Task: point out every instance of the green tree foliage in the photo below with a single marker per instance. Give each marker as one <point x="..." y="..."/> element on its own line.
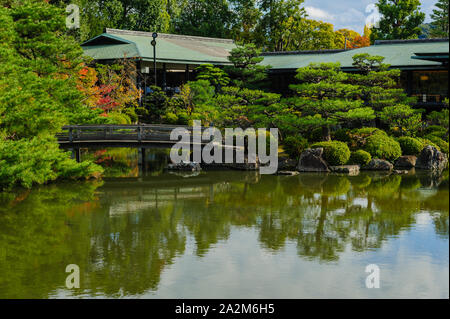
<point x="400" y="20"/>
<point x="138" y="15"/>
<point x="209" y="18"/>
<point x="38" y="70"/>
<point x="246" y="71"/>
<point x="441" y="120"/>
<point x="307" y="34"/>
<point x="380" y="88"/>
<point x="247" y="15"/>
<point x="440" y="20"/>
<point x="402" y="119"/>
<point x="215" y="76"/>
<point x="325" y="99"/>
<point x="272" y="26"/>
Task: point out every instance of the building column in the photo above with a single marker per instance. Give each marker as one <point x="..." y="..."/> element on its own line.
<point x="187" y="73"/>
<point x="164" y="76"/>
<point x="409" y="82"/>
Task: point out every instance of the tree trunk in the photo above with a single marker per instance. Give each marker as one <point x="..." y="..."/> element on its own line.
<point x="326" y="133"/>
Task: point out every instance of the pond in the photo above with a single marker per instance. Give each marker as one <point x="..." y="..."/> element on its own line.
<point x="146" y="233"/>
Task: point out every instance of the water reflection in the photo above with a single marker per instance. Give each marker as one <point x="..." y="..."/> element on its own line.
<point x="125" y="232"/>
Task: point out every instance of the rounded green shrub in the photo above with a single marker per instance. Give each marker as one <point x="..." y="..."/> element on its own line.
<point x="384" y="147"/>
<point x="427" y="142"/>
<point x="436" y="130"/>
<point x="368" y="131"/>
<point x="443" y="145"/>
<point x="410" y="145"/>
<point x="335" y="152"/>
<point x="360" y="157"/>
<point x="170" y="118"/>
<point x="358" y="137"/>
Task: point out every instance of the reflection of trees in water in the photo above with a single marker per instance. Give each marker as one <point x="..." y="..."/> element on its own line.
<point x="124" y="251"/>
<point x="36" y="243"/>
<point x="322" y="213"/>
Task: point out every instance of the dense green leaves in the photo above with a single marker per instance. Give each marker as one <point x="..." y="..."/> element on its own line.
<point x="335" y="152"/>
<point x="440" y="19"/>
<point x="39" y="64"/>
<point x="400" y="20"/>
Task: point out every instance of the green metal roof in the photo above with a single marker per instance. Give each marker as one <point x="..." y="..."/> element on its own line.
<point x="114" y="44"/>
<point x="179" y="49"/>
<point x="397" y="53"/>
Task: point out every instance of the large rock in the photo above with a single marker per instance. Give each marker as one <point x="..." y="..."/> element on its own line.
<point x="378" y="165"/>
<point x="185" y="166"/>
<point x="407" y="161"/>
<point x="352" y="170"/>
<point x="431" y="159"/>
<point x="311" y="161"/>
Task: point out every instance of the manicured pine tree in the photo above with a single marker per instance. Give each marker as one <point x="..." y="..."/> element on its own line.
<point x="246" y="71"/>
<point x="324" y="98"/>
<point x="380" y="90"/>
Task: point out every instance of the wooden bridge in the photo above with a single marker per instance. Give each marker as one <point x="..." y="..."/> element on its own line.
<point x="75" y="137"/>
<point x="145" y="136"/>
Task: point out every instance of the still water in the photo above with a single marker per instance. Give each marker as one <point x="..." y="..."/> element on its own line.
<point x="226" y="234"/>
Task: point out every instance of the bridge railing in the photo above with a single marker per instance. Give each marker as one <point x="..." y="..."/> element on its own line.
<point x="135" y="133"/>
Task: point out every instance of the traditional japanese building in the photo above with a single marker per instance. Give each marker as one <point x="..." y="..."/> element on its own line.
<point x="176" y="55"/>
<point x="424" y="62"/>
<point x="424" y="65"/>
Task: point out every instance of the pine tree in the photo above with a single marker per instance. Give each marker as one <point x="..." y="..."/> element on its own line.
<point x="324" y="98"/>
<point x="400" y="20"/>
<point x="246" y="71"/>
<point x="380" y="91"/>
<point x="39" y="68"/>
<point x="440" y="20"/>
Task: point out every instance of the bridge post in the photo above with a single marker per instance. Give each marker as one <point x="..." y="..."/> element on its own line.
<point x="76" y="153"/>
<point x="141" y="160"/>
<point x="139" y="133"/>
<point x="70" y="135"/>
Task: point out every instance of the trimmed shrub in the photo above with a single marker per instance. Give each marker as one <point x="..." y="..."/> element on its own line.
<point x="294" y="145"/>
<point x="335" y="152"/>
<point x="410" y="145"/>
<point x="358" y="137"/>
<point x="427" y="142"/>
<point x="436" y="130"/>
<point x="383" y="147"/>
<point x="170" y="118"/>
<point x="360" y="157"/>
<point x="443" y="145"/>
<point x="368" y="131"/>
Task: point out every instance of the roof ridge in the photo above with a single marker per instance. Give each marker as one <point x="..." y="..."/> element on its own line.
<point x="166" y="35"/>
<point x="387" y="42"/>
<point x="304" y="52"/>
